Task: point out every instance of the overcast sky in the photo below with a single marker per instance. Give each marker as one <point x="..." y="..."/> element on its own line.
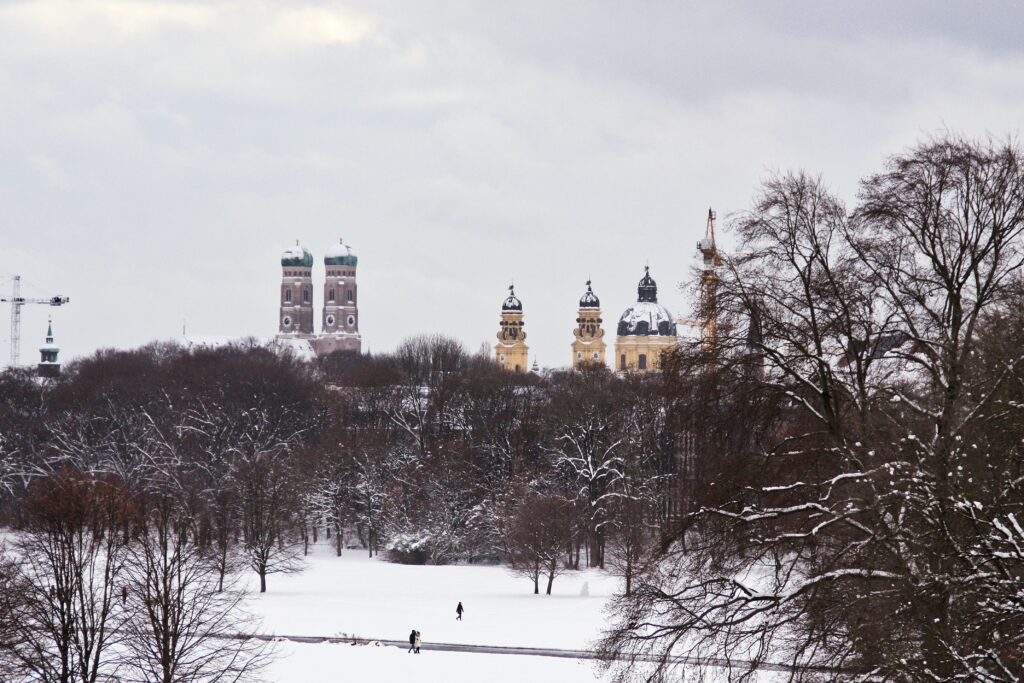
<point x="156" y="158"/>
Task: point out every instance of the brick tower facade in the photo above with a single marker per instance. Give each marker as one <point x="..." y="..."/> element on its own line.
<point x="296" y="316"/>
<point x="340" y="320"/>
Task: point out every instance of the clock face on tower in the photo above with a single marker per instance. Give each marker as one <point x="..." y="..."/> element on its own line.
<point x="330" y="321"/>
<point x="286" y="321"/>
<point x="351" y="321"/>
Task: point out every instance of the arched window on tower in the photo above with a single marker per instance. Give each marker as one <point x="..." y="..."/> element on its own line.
<point x="287" y="296"/>
<point x="305" y="296"/>
<point x="330" y="294"/>
<point x="349" y="295"/>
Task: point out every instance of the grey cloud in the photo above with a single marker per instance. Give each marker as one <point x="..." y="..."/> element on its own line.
<point x="155" y="166"/>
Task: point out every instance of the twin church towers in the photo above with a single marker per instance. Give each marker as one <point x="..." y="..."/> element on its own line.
<point x="645" y="330"/>
<point x="339" y="321"/>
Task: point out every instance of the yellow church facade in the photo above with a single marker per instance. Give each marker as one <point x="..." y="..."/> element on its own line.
<point x="646" y="330"/>
<point x="511" y="351"/>
<point x="588" y="347"/>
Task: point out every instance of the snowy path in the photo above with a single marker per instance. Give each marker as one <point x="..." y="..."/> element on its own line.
<point x="521" y="651"/>
<point x="330" y="663"/>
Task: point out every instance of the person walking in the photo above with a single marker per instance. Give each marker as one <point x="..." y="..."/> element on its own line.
<point x="412" y="640"/>
<point x="458" y="611"/>
<point x="417" y="642"/>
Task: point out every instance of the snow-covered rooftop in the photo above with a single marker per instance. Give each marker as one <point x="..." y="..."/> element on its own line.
<point x="647" y="318"/>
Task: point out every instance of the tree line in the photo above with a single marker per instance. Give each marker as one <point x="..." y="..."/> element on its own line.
<point x="143" y="487"/>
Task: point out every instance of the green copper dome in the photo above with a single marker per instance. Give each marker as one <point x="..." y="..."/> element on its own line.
<point x="340" y="254"/>
<point x="297" y="256"/>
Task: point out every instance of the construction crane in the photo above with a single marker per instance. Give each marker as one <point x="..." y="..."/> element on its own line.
<point x="17" y="301"/>
<point x="709" y="284"/>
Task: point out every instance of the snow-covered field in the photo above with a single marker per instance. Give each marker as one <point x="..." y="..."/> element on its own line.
<point x="303" y="663"/>
<point x="370" y="598"/>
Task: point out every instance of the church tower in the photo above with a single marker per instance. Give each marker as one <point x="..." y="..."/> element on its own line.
<point x="340" y="320"/>
<point x="588" y="346"/>
<point x="511" y="349"/>
<point x="49" y="366"/>
<point x="296" y="291"/>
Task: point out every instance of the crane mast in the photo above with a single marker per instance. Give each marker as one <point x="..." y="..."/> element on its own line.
<point x="709" y="284"/>
<point x="17" y="301"/>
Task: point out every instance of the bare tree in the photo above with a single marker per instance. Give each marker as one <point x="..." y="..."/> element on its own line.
<point x="589" y="446"/>
<point x="539" y="533"/>
<point x="73" y="548"/>
<point x="182" y="626"/>
<point x="268" y="501"/>
<point x="13" y="608"/>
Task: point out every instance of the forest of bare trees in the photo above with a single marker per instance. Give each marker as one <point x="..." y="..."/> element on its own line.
<point x="144" y="487"/>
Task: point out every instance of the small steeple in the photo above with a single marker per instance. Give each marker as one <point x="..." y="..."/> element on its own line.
<point x="49" y="366"/>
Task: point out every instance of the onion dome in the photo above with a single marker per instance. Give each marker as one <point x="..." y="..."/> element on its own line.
<point x="647" y="318"/>
<point x="297" y="256"/>
<point x="340" y="254"/>
<point x="589" y="299"/>
<point x="512" y="303"/>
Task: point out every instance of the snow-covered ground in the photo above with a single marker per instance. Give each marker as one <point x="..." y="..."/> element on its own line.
<point x="323" y="663"/>
<point x="370" y="598"/>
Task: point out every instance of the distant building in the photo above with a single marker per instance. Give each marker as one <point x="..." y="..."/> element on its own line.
<point x="588" y="347"/>
<point x="296" y="292"/>
<point x="511" y="350"/>
<point x="646" y="330"/>
<point x="340" y="323"/>
<point x="340" y="318"/>
<point x="49" y="366"/>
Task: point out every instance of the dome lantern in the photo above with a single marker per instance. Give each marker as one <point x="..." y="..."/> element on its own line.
<point x="647" y="290"/>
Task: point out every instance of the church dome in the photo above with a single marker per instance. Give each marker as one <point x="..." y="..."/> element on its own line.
<point x="647" y="318"/>
<point x="589" y="299"/>
<point x="340" y="254"/>
<point x="512" y="303"/>
<point x="297" y="256"/>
